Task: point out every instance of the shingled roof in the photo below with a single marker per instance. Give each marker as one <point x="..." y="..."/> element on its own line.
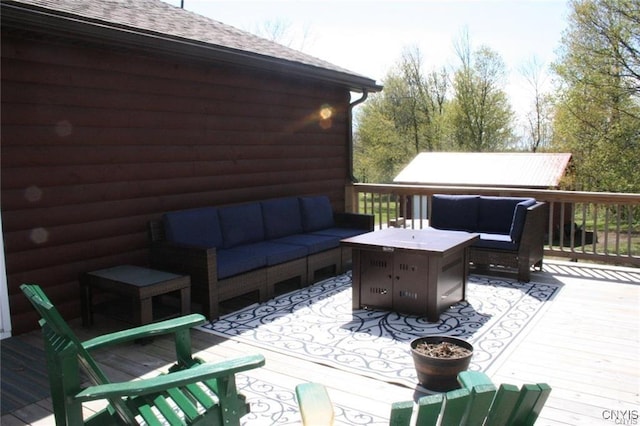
<point x="508" y="169"/>
<point x="156" y="24"/>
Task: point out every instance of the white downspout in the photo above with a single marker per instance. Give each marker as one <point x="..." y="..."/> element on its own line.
<point x="5" y="313"/>
<point x="365" y="94"/>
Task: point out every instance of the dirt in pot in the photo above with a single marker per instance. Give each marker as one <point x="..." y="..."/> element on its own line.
<point x="442" y="350"/>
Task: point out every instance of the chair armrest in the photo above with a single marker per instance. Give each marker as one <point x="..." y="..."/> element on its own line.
<point x="354" y="220"/>
<point x="198" y="262"/>
<point x="315" y="405"/>
<point x="533" y="232"/>
<point x="159" y="328"/>
<point x="198" y="373"/>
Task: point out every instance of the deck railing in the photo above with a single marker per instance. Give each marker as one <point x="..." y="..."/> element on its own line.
<point x="597" y="226"/>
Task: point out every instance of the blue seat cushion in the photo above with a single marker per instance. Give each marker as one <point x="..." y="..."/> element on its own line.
<point x="234" y="261"/>
<point x="281" y="217"/>
<point x="495" y="241"/>
<point x="311" y="242"/>
<point x="496" y="213"/>
<point x="519" y="217"/>
<point x="454" y="212"/>
<point x="341" y="232"/>
<point x="316" y="212"/>
<point x="194" y="227"/>
<point x="241" y="224"/>
<point x="276" y="253"/>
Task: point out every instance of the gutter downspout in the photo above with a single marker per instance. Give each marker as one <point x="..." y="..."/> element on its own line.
<point x="365" y="94"/>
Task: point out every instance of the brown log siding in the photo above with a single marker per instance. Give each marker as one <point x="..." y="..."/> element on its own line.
<point x="97" y="142"/>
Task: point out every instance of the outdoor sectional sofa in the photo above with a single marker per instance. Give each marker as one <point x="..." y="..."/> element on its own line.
<point x="230" y="251"/>
<point x="512" y="230"/>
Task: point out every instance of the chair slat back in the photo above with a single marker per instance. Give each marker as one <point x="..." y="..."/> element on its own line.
<point x="479" y="405"/>
<point x="401" y="413"/>
<point x="503" y="405"/>
<point x="531" y="398"/>
<point x="545" y="391"/>
<point x="61" y="336"/>
<point x="61" y="343"/>
<point x="455" y="406"/>
<point x="429" y="408"/>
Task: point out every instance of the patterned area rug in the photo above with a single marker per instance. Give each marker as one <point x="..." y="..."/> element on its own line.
<point x="272" y="404"/>
<point x="317" y="323"/>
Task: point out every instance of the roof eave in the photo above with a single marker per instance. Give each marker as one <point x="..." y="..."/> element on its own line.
<point x="23" y="17"/>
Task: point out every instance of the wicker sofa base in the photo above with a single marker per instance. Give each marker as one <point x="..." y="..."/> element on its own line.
<point x="487" y="257"/>
<point x="286" y="271"/>
<point x="319" y="261"/>
<point x="238" y="285"/>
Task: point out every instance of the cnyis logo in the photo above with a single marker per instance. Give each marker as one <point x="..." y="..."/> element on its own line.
<point x="621" y="417"/>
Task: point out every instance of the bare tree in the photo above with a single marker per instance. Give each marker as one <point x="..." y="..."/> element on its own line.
<point x="284" y="33"/>
<point x="539" y="118"/>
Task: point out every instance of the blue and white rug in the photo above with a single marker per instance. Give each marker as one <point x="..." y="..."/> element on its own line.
<point x="318" y="324"/>
<point x="274" y="405"/>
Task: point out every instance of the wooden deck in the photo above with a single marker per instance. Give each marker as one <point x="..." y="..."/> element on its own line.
<point x="586" y="345"/>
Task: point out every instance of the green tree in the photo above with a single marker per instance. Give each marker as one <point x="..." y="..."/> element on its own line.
<point x="481" y="114"/>
<point x="402" y="121"/>
<point x="598" y="112"/>
<point x="379" y="149"/>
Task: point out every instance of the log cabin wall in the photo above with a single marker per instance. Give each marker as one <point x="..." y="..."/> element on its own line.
<point x="98" y="141"/>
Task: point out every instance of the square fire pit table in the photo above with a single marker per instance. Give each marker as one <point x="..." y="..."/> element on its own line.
<point x="420" y="272"/>
<point x="139" y="285"/>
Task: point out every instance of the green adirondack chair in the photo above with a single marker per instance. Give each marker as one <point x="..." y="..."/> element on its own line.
<point x="477" y="402"/>
<point x="192" y="392"/>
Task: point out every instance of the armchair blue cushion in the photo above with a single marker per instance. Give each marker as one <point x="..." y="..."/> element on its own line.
<point x="276" y="253"/>
<point x="241" y="224"/>
<point x="496" y="213"/>
<point x="312" y="242"/>
<point x="340" y="233"/>
<point x="455" y="212"/>
<point x="194" y="227"/>
<point x="316" y="212"/>
<point x="281" y="217"/>
<point x="237" y="260"/>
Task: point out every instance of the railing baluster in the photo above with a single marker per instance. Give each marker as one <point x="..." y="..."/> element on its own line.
<point x="630" y="214"/>
<point x="562" y="225"/>
<point x="583" y="233"/>
<point x="404" y="209"/>
<point x="595" y="227"/>
<point x="617" y="229"/>
<point x="551" y="223"/>
<point x="606" y="229"/>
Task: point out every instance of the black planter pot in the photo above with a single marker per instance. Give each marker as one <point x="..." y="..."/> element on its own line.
<point x="439" y="374"/>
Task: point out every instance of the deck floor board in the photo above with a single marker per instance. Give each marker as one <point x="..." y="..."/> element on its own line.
<point x="586" y="345"/>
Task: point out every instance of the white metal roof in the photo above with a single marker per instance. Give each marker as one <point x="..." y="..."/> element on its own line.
<point x="528" y="170"/>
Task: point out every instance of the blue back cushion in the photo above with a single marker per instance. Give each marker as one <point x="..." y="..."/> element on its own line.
<point x="194" y="227"/>
<point x="281" y="217"/>
<point x="316" y="212"/>
<point x="454" y="212"/>
<point x="241" y="224"/>
<point x="519" y="216"/>
<point x="496" y="213"/>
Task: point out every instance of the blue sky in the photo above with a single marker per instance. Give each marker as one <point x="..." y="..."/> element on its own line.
<point x="368" y="37"/>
